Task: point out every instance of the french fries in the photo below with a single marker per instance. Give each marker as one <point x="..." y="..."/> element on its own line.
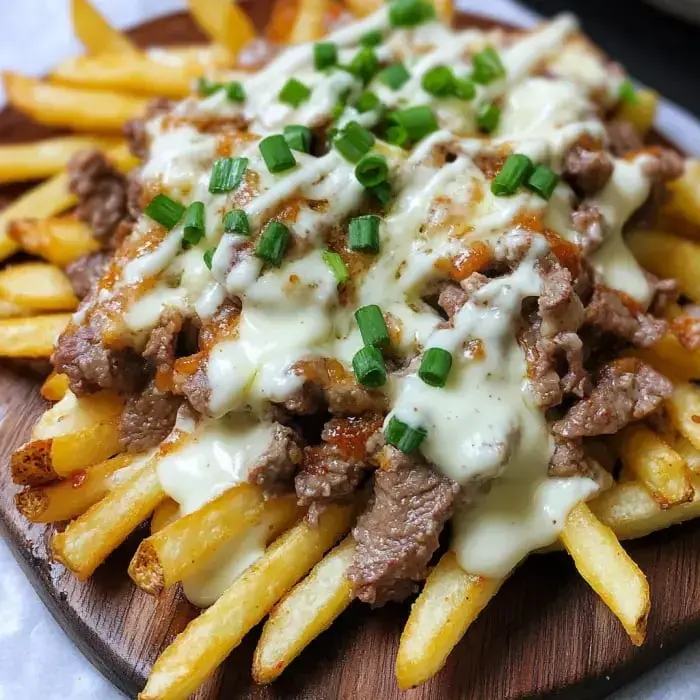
<point x="608" y="570"/>
<point x="166" y="512"/>
<point x="71" y="497"/>
<point x="209" y="638"/>
<point x="37" y="287"/>
<point x="59" y="240"/>
<point x="83" y="110"/>
<point x="672" y="359"/>
<point x="90" y="539"/>
<point x="641" y="112"/>
<point x="31" y="337"/>
<point x="361" y="8"/>
<point x="308" y="610"/>
<point x="449" y="602"/>
<point x="55" y="387"/>
<point x="310" y="22"/>
<point x="657" y="465"/>
<point x="10" y="310"/>
<point x="225" y="22"/>
<point x="95" y="33"/>
<point x="683" y="408"/>
<point x="685" y="195"/>
<point x="33" y="161"/>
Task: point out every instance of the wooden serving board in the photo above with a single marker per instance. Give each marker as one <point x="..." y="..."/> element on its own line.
<point x="545" y="634"/>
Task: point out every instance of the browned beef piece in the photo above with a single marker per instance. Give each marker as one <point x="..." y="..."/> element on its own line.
<point x="665" y="294"/>
<point x="686" y="327"/>
<point x="559" y="307"/>
<point x="569" y="459"/>
<point x="148" y="418"/>
<point x="135" y="129"/>
<point x="398" y="532"/>
<point x="623" y="137"/>
<point x="194" y="386"/>
<point x="82" y="355"/>
<point x="307" y="400"/>
<point x="348" y="398"/>
<point x="587" y="171"/>
<point x="454" y="296"/>
<point x="626" y="390"/>
<point x="274" y="471"/>
<point x="162" y="341"/>
<point x="589" y="223"/>
<point x="608" y="312"/>
<point x="101" y="192"/>
<point x="85" y="272"/>
<point x="667" y="165"/>
<point x="134" y="189"/>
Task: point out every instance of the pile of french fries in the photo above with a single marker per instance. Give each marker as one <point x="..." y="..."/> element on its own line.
<point x="71" y="469"/>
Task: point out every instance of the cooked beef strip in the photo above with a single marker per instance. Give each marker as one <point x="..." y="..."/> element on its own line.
<point x="162" y="342"/>
<point x="148" y="418"/>
<point x="398" y="532"/>
<point x="101" y="192"/>
<point x="559" y="307"/>
<point x="623" y="137"/>
<point x="85" y="272"/>
<point x="274" y="471"/>
<point x="590" y="224"/>
<point x="135" y="129"/>
<point x="665" y="294"/>
<point x="667" y="165"/>
<point x="587" y="171"/>
<point x="570" y="459"/>
<point x="453" y="296"/>
<point x="626" y="390"/>
<point x="686" y="327"/>
<point x="194" y="386"/>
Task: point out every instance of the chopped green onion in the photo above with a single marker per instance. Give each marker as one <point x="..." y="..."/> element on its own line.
<point x="439" y="81"/>
<point x="372" y="326"/>
<point x="367" y="102"/>
<point x="298" y="137"/>
<point x="487" y="66"/>
<point x="403" y="437"/>
<point x="514" y="173"/>
<point x="381" y="192"/>
<point x="395" y="76"/>
<point x="410" y="13"/>
<point x="373" y="38"/>
<point x="364" y="65"/>
<point x="193" y="224"/>
<point x="208" y="87"/>
<point x="235" y="91"/>
<point x="325" y="55"/>
<point x="364" y="234"/>
<point x="273" y="243"/>
<point x="627" y="93"/>
<point x="226" y="174"/>
<point x="397" y="135"/>
<point x="543" y="181"/>
<point x="465" y="89"/>
<point x="165" y="211"/>
<point x="435" y="366"/>
<point x="338" y="268"/>
<point x="488" y="116"/>
<point x="276" y="153"/>
<point x="417" y="121"/>
<point x="369" y="368"/>
<point x="236" y="221"/>
<point x="353" y="142"/>
<point x="209" y="256"/>
<point x="294" y="92"/>
<point x="371" y="171"/>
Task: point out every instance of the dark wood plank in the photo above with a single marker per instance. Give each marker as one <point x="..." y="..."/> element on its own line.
<point x="545" y="634"/>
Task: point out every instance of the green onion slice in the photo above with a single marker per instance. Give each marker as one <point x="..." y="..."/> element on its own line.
<point x="435" y="367"/>
<point x="543" y="181"/>
<point x="367" y="102"/>
<point x="410" y="13"/>
<point x="193" y="224"/>
<point x="325" y="55"/>
<point x="165" y="211"/>
<point x="465" y="89"/>
<point x="371" y="171"/>
<point x="294" y="92"/>
<point x="273" y="243"/>
<point x="298" y="137"/>
<point x="353" y="142"/>
<point x="488" y="116"/>
<point x="514" y="173"/>
<point x="208" y="87"/>
<point x="627" y="93"/>
<point x="363" y="234"/>
<point x="439" y="81"/>
<point x="373" y="38"/>
<point x="487" y="66"/>
<point x="235" y="91"/>
<point x="381" y="192"/>
<point x="364" y="65"/>
<point x="276" y="153"/>
<point x="403" y="437"/>
<point x="337" y="266"/>
<point x="372" y="326"/>
<point x="417" y="121"/>
<point x="226" y="174"/>
<point x="395" y="76"/>
<point x="369" y="368"/>
<point x="236" y="221"/>
<point x="209" y="256"/>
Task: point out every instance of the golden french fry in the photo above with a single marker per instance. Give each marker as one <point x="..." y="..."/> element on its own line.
<point x="686" y="450"/>
<point x="60" y="239"/>
<point x="40" y="159"/>
<point x="10" y="310"/>
<point x="167" y="512"/>
<point x="209" y="638"/>
<point x="666" y="255"/>
<point x="95" y="33"/>
<point x="69" y="498"/>
<point x="608" y="570"/>
<point x="83" y="110"/>
<point x="55" y="386"/>
<point x="90" y="539"/>
<point x="225" y="22"/>
<point x="449" y="602"/>
<point x="190" y="55"/>
<point x="308" y="610"/>
<point x="361" y="8"/>
<point x="656" y="464"/>
<point x="631" y="512"/>
<point x="32" y="337"/>
<point x="669" y="357"/>
<point x="685" y="195"/>
<point x="310" y="22"/>
<point x="683" y="408"/>
<point x="37" y="286"/>
<point x="641" y="113"/>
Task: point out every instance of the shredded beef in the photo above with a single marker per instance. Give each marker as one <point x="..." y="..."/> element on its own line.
<point x="623" y="137"/>
<point x="626" y="390"/>
<point x="398" y="532"/>
<point x="454" y="296"/>
<point x="148" y="418"/>
<point x="135" y="129"/>
<point x="101" y="192"/>
<point x="162" y="341"/>
<point x="587" y="171"/>
<point x="559" y="307"/>
<point x="590" y="224"/>
<point x="85" y="272"/>
<point x="274" y="471"/>
<point x="608" y="312"/>
<point x="195" y="387"/>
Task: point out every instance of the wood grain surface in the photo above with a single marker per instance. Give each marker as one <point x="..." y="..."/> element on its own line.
<point x="546" y="634"/>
